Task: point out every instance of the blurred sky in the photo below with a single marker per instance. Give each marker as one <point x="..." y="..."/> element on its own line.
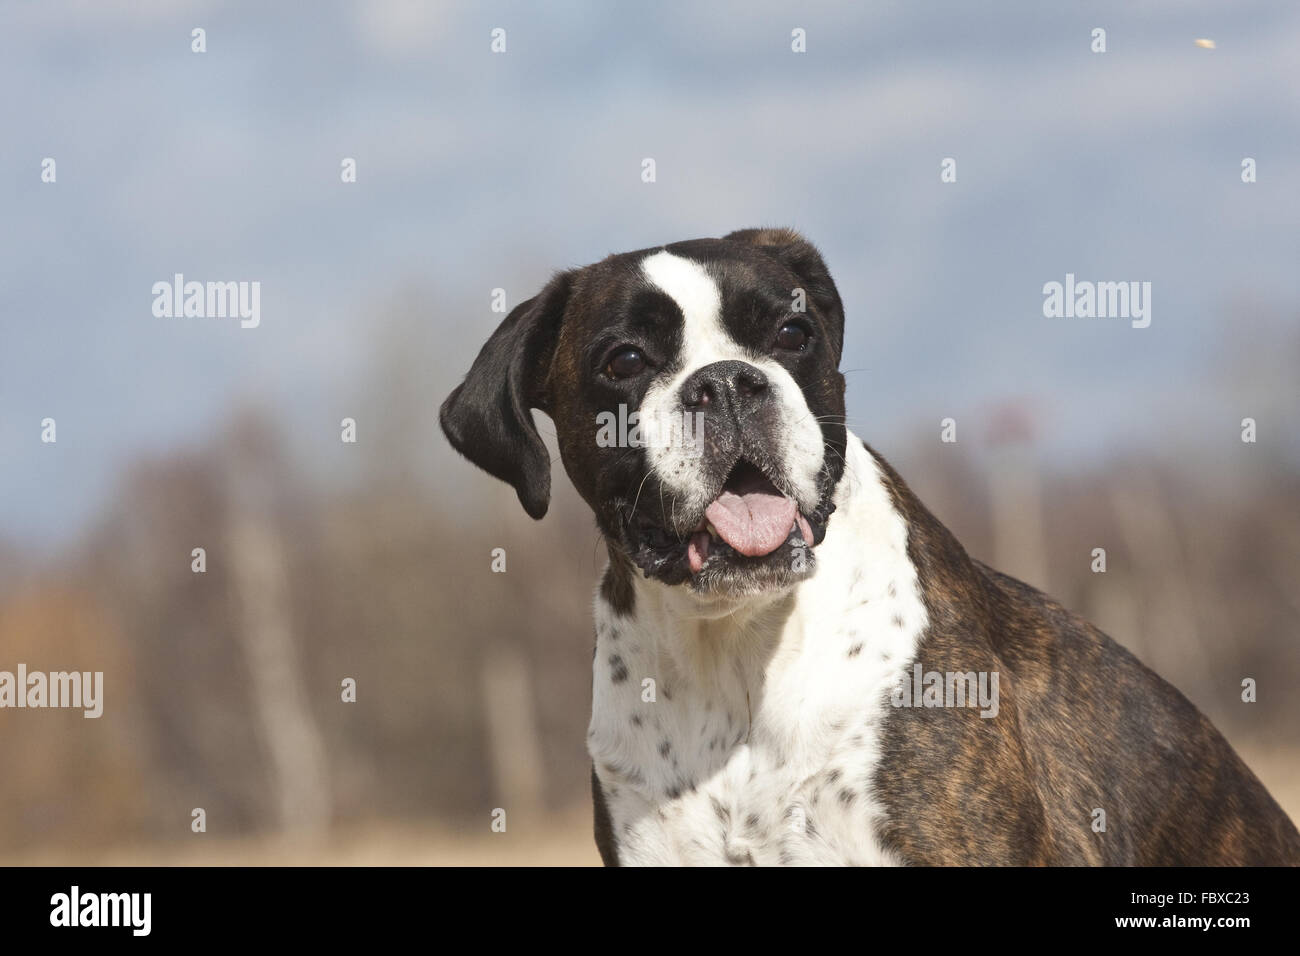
<point x="479" y="170"/>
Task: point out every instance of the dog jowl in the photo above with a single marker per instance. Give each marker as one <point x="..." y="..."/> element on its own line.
<point x="776" y="596"/>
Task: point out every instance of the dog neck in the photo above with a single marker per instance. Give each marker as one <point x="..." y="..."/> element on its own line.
<point x="733" y="652"/>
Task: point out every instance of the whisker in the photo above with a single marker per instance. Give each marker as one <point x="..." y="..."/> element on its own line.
<point x="635" y="501"/>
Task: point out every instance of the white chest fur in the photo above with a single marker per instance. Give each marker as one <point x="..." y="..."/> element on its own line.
<point x="750" y="735"/>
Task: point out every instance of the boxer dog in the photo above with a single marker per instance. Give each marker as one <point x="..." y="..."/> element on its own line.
<point x="795" y="662"/>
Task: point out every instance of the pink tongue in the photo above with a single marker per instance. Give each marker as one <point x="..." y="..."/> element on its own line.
<point x="754" y="522"/>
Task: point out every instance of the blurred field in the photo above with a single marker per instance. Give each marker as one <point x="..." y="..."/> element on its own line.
<point x="564" y="841"/>
<point x="557" y="841"/>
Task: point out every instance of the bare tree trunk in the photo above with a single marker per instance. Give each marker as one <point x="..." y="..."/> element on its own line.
<point x="517" y="763"/>
<point x="1173" y="638"/>
<point x="1016" y="511"/>
<point x="265" y="634"/>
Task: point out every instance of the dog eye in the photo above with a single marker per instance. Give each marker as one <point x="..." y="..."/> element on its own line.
<point x="792" y="337"/>
<point x="625" y="363"/>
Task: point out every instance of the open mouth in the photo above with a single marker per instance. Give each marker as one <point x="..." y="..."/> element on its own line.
<point x="750" y="517"/>
<point x="750" y="529"/>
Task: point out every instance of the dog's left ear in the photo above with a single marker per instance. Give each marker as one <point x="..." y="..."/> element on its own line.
<point x="488" y="417"/>
<point x="802" y="258"/>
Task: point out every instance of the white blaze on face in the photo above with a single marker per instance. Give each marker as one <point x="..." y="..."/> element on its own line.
<point x="705" y="340"/>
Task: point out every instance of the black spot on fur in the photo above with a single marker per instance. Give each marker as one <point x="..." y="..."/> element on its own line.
<point x="855" y="650"/>
<point x="616" y="585"/>
<point x="618" y="670"/>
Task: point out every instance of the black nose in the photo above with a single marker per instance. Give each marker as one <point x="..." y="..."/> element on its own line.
<point x="725" y="385"/>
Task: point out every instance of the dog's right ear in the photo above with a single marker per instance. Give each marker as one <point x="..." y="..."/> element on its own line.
<point x="488" y="419"/>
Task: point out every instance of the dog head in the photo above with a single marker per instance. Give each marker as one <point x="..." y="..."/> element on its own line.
<point x="697" y="403"/>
